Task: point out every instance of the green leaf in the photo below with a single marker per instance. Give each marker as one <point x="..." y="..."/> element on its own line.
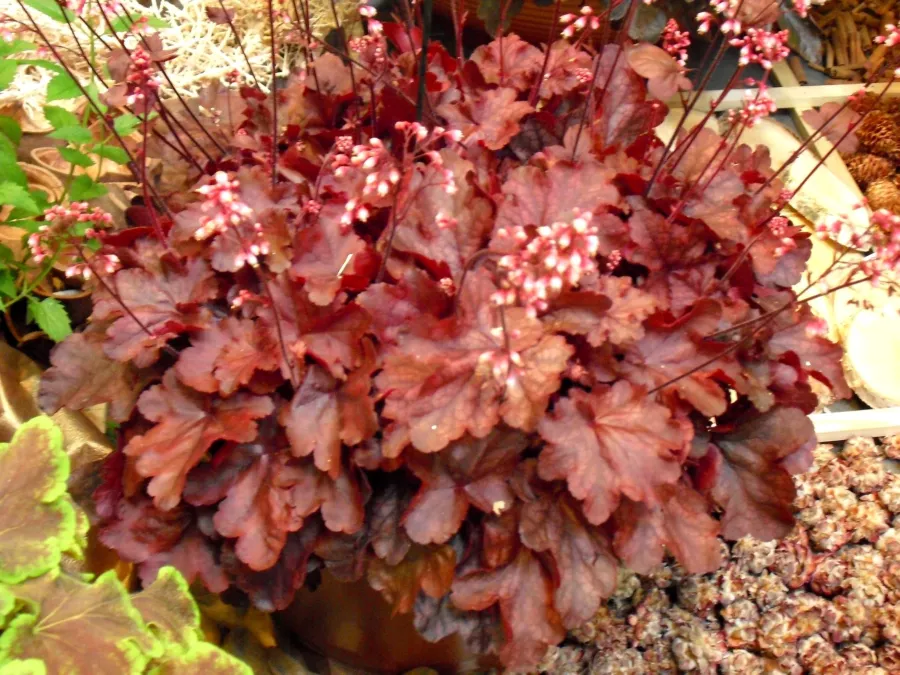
<point x="15" y="47"/>
<point x="111" y="152"/>
<point x="93" y="94"/>
<point x="7" y="605"/>
<point x="37" y="521"/>
<point x="8" y="68"/>
<point x="76" y="627"/>
<point x="123" y="23"/>
<point x="6" y="255"/>
<point x="51" y="317"/>
<point x="15" y="195"/>
<point x="84" y="189"/>
<point x="43" y="63"/>
<point x="62" y="87"/>
<point x="203" y="659"/>
<point x="489" y="11"/>
<point x="60" y="117"/>
<point x="51" y="8"/>
<point x="168" y="608"/>
<point x="9" y="165"/>
<point x="10" y="128"/>
<point x="126" y="124"/>
<point x="26" y="667"/>
<point x="74" y="157"/>
<point x="77" y="135"/>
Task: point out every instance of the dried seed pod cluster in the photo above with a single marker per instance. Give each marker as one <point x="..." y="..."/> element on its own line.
<point x="876" y="166"/>
<point x="826" y="599"/>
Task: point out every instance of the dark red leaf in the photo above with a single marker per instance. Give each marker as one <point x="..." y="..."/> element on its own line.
<point x="429" y="569"/>
<point x="588" y="571"/>
<point x="82" y="375"/>
<point x="138" y="529"/>
<point x="394" y="306"/>
<point x="613" y="441"/>
<point x="747" y="478"/>
<point x="439" y="380"/>
<point x="187" y="425"/>
<point x="489" y="116"/>
<point x="160" y="306"/>
<point x="389" y="540"/>
<point x="677" y="520"/>
<point x="525" y="595"/>
<point x="469" y="471"/>
<point x="195" y="556"/>
<point x="273" y="589"/>
<point x="225" y="356"/>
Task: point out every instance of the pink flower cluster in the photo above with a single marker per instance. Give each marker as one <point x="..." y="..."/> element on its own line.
<point x="554" y="258"/>
<point x="728" y="9"/>
<point x="891" y="36"/>
<point x="105" y="263"/>
<point x="779" y="227"/>
<point x="802" y="7"/>
<point x="63" y="221"/>
<point x="763" y="47"/>
<point x="230" y="214"/>
<point x="676" y="42"/>
<point x="141" y="79"/>
<point x="757" y="105"/>
<point x="574" y="23"/>
<point x="885" y="243"/>
<point x="375" y="162"/>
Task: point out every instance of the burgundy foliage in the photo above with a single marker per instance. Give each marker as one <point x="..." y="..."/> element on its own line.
<point x="479" y="361"/>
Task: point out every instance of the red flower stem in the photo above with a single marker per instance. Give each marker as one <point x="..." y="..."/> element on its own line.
<point x="295" y="380"/>
<point x="145" y="186"/>
<point x="304" y="16"/>
<point x="237" y="39"/>
<point x="171" y="350"/>
<point x="536" y="89"/>
<point x="730" y="350"/>
<point x="390" y="242"/>
<point x="272" y="40"/>
<point x="812" y="137"/>
<point x="421" y="99"/>
<point x="161" y="68"/>
<point x="340" y="29"/>
<point x="473" y="260"/>
<point x="632" y="9"/>
<point x="181" y="149"/>
<point x="458" y="15"/>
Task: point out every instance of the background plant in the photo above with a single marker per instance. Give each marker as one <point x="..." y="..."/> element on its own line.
<point x="462" y="326"/>
<point x="55" y="621"/>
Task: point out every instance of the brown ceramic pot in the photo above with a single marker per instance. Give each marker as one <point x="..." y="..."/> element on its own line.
<point x="352" y="624"/>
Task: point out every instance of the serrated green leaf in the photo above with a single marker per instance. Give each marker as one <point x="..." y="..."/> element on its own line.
<point x="76" y="627"/>
<point x="60" y="117"/>
<point x="62" y="87"/>
<point x="37" y="522"/>
<point x="51" y="317"/>
<point x="203" y="659"/>
<point x="52" y="9"/>
<point x="11" y="129"/>
<point x="6" y="255"/>
<point x="17" y="196"/>
<point x="110" y="152"/>
<point x="8" y="68"/>
<point x="126" y="124"/>
<point x="77" y="135"/>
<point x="84" y="189"/>
<point x="24" y="667"/>
<point x="7" y="283"/>
<point x="74" y="157"/>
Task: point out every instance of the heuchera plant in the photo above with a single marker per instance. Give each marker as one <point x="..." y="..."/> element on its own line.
<point x="461" y="326"/>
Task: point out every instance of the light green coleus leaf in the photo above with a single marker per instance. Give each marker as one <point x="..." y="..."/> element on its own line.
<point x="77" y="627"/>
<point x="202" y="659"/>
<point x="37" y="520"/>
<point x="51" y="317"/>
<point x="23" y="667"/>
<point x="170" y="611"/>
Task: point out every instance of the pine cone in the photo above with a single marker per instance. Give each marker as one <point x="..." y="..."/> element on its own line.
<point x="866" y="167"/>
<point x="879" y="134"/>
<point x="884" y="194"/>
